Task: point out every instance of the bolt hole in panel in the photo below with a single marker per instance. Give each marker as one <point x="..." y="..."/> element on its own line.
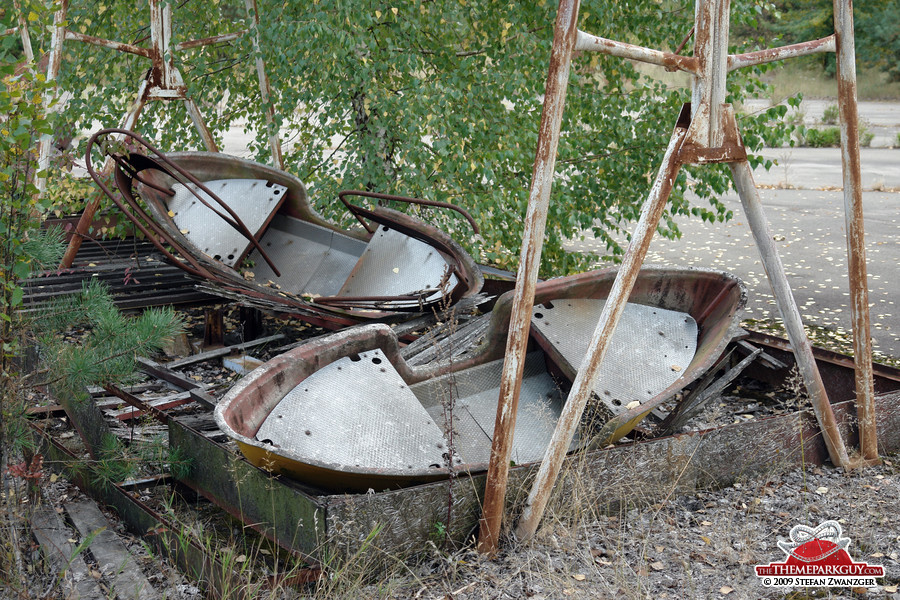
<point x="395" y="264"/>
<point x="649" y="350"/>
<point x="356" y="415"/>
<point x="253" y="200"/>
<point x="469" y="399"/>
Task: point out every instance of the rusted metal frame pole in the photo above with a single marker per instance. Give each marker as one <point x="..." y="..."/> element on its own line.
<point x="55" y="61"/>
<point x="90" y="210"/>
<point x="23" y="32"/>
<point x="164" y="83"/>
<point x="168" y="83"/>
<point x="104" y="43"/>
<point x="749" y="59"/>
<point x="790" y="314"/>
<point x="609" y="317"/>
<point x="672" y="62"/>
<point x="265" y="90"/>
<point x="564" y="34"/>
<point x="853" y="215"/>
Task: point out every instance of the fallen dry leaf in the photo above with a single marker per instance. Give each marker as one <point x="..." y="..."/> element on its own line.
<point x="725" y="590"/>
<point x="579" y="577"/>
<point x="657" y="566"/>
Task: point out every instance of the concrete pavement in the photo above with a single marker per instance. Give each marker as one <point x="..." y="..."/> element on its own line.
<point x="808" y="226"/>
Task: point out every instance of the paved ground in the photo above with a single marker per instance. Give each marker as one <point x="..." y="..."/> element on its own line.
<point x="809" y="227"/>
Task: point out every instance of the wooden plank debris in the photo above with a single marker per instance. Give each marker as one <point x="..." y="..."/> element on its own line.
<point x="210" y="354"/>
<point x="54" y="538"/>
<point x="115" y="561"/>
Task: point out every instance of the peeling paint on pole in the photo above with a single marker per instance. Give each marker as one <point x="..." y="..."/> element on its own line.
<point x="853" y="215"/>
<point x="532" y="243"/>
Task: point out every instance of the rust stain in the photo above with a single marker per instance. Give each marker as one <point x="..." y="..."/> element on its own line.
<point x="564" y="35"/>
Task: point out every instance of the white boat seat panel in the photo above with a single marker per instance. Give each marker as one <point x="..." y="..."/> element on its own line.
<point x="473" y="395"/>
<point x="253" y="200"/>
<point x="395" y="264"/>
<point x="649" y="350"/>
<point x="356" y="414"/>
<point x="313" y="259"/>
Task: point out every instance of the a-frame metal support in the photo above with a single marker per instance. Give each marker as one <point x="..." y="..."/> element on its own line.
<point x="706" y="132"/>
<point x="163" y="82"/>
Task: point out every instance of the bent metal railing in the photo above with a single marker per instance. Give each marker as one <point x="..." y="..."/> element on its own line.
<point x="705" y="132"/>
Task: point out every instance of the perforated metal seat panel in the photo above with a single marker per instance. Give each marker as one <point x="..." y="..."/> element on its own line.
<point x="313" y="259"/>
<point x="474" y="393"/>
<point x="253" y="200"/>
<point x="357" y="415"/>
<point x="649" y="350"/>
<point x="395" y="264"/>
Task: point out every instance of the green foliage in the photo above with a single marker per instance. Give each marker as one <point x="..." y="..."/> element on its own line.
<point x="830" y="137"/>
<point x="823" y="138"/>
<point x="110" y="344"/>
<point x="831" y="114"/>
<point x="113" y="465"/>
<point x="877" y="26"/>
<point x="433" y="99"/>
<point x="180" y="465"/>
<point x="24" y="95"/>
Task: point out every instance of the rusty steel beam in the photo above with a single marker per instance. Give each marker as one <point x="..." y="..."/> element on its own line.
<point x="216" y="39"/>
<point x="104" y="43"/>
<point x="853" y="215"/>
<point x="90" y="210"/>
<point x="609" y="318"/>
<point x="708" y="89"/>
<point x="790" y="314"/>
<point x="23" y="32"/>
<point x="671" y="62"/>
<point x="749" y="59"/>
<point x="169" y="537"/>
<point x="564" y="35"/>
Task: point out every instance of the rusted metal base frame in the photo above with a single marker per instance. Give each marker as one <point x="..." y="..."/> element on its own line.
<point x="404" y="519"/>
<point x="853" y="215"/>
<point x="565" y="30"/>
<point x="790" y="314"/>
<point x="172" y="540"/>
<point x="278" y="510"/>
<point x="568" y="422"/>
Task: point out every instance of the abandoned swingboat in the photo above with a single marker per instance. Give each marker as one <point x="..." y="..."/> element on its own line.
<point x="347" y="413"/>
<point x="249" y="230"/>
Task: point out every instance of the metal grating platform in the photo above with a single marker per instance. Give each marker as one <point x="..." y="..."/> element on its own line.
<point x="649" y="350"/>
<point x="356" y="414"/>
<point x="253" y="200"/>
<point x="134" y="271"/>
